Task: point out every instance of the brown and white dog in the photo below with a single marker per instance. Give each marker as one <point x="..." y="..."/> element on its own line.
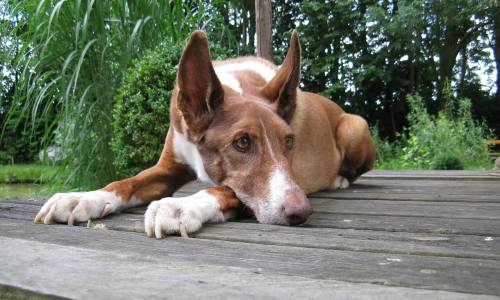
<point x="244" y="126"/>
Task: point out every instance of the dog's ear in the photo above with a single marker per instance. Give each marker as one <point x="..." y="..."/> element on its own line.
<point x="200" y="91"/>
<point x="282" y="89"/>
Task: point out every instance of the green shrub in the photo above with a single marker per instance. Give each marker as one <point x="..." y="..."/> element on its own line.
<point x="141" y="111"/>
<point x="386" y="151"/>
<point x="450" y="141"/>
<point x="447" y="161"/>
<point x="18" y="143"/>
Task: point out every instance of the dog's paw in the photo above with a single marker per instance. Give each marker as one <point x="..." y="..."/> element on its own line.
<point x="341" y="183"/>
<point x="181" y="215"/>
<point x="78" y="207"/>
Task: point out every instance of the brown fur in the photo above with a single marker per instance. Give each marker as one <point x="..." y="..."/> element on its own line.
<point x="328" y="142"/>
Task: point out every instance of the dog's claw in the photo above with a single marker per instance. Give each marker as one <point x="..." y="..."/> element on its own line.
<point x="183" y="231"/>
<point x="74" y="207"/>
<point x="180" y="215"/>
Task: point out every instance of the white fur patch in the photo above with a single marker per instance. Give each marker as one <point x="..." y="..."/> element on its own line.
<point x="225" y="72"/>
<point x="185" y="152"/>
<point x="229" y="80"/>
<point x="278" y="184"/>
<point x="341" y="182"/>
<point x="82" y="206"/>
<point x="170" y="215"/>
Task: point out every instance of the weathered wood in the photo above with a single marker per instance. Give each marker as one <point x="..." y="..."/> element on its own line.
<point x="406" y="224"/>
<point x="469" y="246"/>
<point x="263" y="29"/>
<point x="341" y="220"/>
<point x="388" y="196"/>
<point x="430" y="230"/>
<point x="88" y="274"/>
<point x="470" y="188"/>
<point x="484" y="211"/>
<point x="444" y="273"/>
<point x="432" y="175"/>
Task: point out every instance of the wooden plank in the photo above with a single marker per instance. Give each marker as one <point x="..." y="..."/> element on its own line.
<point x="486" y="211"/>
<point x="395" y="183"/>
<point x="431" y="175"/>
<point x="471" y="188"/>
<point x="443" y="273"/>
<point x="79" y="273"/>
<point x="406" y="224"/>
<point x="357" y="240"/>
<point x="462" y="210"/>
<point x="468" y="246"/>
<point x="413" y="224"/>
<point x="392" y="195"/>
<point x="339" y="195"/>
<point x="493" y="142"/>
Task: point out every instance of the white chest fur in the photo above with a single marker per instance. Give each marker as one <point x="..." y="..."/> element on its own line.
<point x="187" y="153"/>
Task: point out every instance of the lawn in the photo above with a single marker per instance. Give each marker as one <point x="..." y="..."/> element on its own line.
<point x="27" y="173"/>
<point x="28" y="179"/>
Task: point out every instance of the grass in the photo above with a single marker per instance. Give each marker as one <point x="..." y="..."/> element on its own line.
<point x="29" y="180"/>
<point x="27" y="173"/>
<point x="25" y="189"/>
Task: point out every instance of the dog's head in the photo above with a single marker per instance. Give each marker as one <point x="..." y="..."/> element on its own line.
<point x="243" y="135"/>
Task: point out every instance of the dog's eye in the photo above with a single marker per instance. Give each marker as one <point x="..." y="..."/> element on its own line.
<point x="242" y="143"/>
<point x="289" y="141"/>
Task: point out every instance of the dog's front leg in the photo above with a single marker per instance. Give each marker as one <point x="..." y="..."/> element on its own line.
<point x="154" y="183"/>
<point x="187" y="214"/>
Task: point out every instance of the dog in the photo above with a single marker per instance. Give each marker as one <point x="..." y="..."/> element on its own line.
<point x="244" y="126"/>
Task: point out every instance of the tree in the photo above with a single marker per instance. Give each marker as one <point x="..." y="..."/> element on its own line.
<point x="494" y="16"/>
<point x="263" y="25"/>
<point x="457" y="23"/>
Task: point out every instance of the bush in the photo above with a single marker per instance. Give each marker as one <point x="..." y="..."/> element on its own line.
<point x="386" y="152"/>
<point x="451" y="140"/>
<point x="18" y="143"/>
<point x="447" y="161"/>
<point x="141" y="112"/>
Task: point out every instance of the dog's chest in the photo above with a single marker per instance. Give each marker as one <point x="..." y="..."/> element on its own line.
<point x="186" y="152"/>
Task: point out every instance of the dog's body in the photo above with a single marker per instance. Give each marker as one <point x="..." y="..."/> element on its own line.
<point x="244" y="126"/>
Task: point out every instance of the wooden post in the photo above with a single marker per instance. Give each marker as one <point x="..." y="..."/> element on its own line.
<point x="263" y="25"/>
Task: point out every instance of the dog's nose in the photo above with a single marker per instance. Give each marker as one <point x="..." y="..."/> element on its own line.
<point x="296" y="210"/>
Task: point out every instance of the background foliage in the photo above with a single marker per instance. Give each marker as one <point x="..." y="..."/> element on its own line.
<point x="141" y="111"/>
<point x="62" y="64"/>
<point x="452" y="140"/>
<point x="71" y="56"/>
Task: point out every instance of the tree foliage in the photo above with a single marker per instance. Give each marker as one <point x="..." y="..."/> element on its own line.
<point x="368" y="55"/>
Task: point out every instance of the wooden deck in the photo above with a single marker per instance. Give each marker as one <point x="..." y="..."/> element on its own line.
<point x="392" y="235"/>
